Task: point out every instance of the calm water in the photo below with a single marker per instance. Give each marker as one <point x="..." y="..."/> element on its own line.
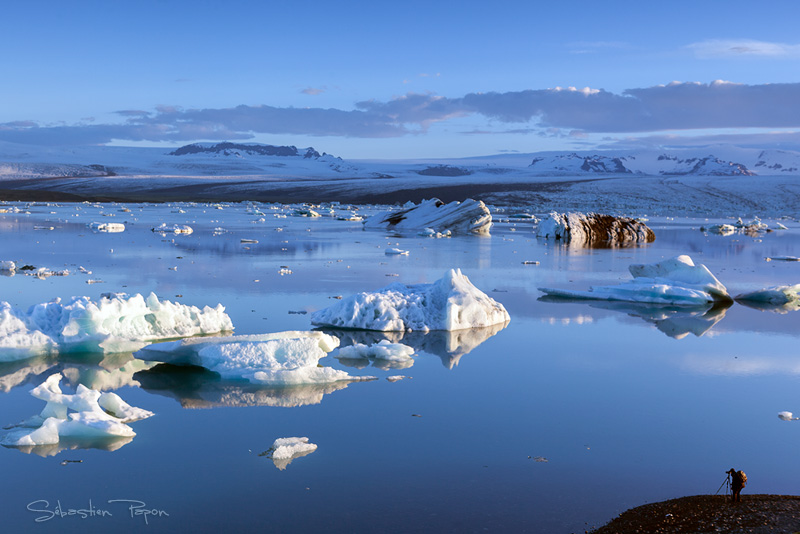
<point x="627" y="404"/>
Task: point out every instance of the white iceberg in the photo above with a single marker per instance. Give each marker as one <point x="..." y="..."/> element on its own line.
<point x="281" y="358"/>
<point x="777" y="295"/>
<point x="674" y="281"/>
<point x="451" y="303"/>
<point x="8" y="266"/>
<point x="173" y="228"/>
<point x="115" y="323"/>
<point x="469" y="216"/>
<point x="594" y="228"/>
<point x="107" y="227"/>
<point x="87" y="414"/>
<point x="787" y="416"/>
<point x="284" y="450"/>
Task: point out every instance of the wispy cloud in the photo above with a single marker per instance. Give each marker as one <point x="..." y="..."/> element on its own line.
<point x="568" y="112"/>
<point x="313" y="91"/>
<point x="732" y="48"/>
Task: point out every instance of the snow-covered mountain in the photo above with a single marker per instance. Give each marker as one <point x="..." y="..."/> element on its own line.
<point x="645" y="163"/>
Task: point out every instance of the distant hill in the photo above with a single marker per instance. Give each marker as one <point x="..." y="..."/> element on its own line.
<point x="643" y="163"/>
<point x="237" y="149"/>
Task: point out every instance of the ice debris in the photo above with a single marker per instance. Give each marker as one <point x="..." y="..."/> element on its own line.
<point x="87" y="414"/>
<point x="280" y="358"/>
<point x="107" y="227"/>
<point x="284" y="450"/>
<point x="585" y="229"/>
<point x="469" y="216"/>
<point x="384" y="354"/>
<point x="450" y="303"/>
<point x="163" y="228"/>
<point x="787" y="416"/>
<point x="773" y="295"/>
<point x="115" y="323"/>
<point x="8" y="266"/>
<point x="395" y="251"/>
<point x="674" y="281"/>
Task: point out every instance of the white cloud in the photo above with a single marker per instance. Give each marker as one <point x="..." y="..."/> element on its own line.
<point x="721" y="48"/>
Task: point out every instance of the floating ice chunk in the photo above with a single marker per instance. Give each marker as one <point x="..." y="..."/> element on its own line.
<point x="674" y="281"/>
<point x="780" y="299"/>
<point x="383" y="350"/>
<point x="8" y="266"/>
<point x="115" y="323"/>
<point x="281" y="358"/>
<point x="721" y="229"/>
<point x="779" y="226"/>
<point x="173" y="228"/>
<point x="303" y="212"/>
<point x="86" y="414"/>
<point x="396" y="251"/>
<point x="783" y="258"/>
<point x="787" y="416"/>
<point x="470" y="216"/>
<point x="594" y="228"/>
<point x="284" y="450"/>
<point x="107" y="227"/>
<point x="451" y="303"/>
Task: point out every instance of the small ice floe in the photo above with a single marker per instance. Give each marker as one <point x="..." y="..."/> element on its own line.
<point x="281" y="358"/>
<point x="396" y="378"/>
<point x="94" y="281"/>
<point x="389" y="355"/>
<point x="585" y="229"/>
<point x="720" y="229"/>
<point x="44" y="228"/>
<point x="8" y="266"/>
<point x="107" y="227"/>
<point x="284" y="270"/>
<point x="83" y="270"/>
<point x="350" y="217"/>
<point x="248" y="241"/>
<point x="164" y="228"/>
<point x="470" y="216"/>
<point x="779" y="226"/>
<point x="674" y="281"/>
<point x="787" y="416"/>
<point x="451" y="303"/>
<point x="782" y="258"/>
<point x="395" y="251"/>
<point x="430" y="232"/>
<point x="44" y="272"/>
<point x="86" y="414"/>
<point x="284" y="450"/>
<point x="115" y="323"/>
<point x="304" y="212"/>
<point x="777" y="299"/>
<point x="530" y="263"/>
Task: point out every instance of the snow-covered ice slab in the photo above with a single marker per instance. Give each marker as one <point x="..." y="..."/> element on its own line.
<point x="87" y="414"/>
<point x="469" y="216"/>
<point x="585" y="229"/>
<point x="450" y="303"/>
<point x="280" y="358"/>
<point x="115" y="323"/>
<point x="284" y="450"/>
<point x="674" y="281"/>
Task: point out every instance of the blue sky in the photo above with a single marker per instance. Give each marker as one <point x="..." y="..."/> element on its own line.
<point x="402" y="80"/>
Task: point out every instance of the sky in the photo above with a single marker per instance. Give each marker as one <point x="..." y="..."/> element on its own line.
<point x="413" y="79"/>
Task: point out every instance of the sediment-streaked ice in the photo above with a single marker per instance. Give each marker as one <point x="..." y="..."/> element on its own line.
<point x="674" y="281"/>
<point x="469" y="216"/>
<point x="86" y="414"/>
<point x="281" y="358"/>
<point x="450" y="303"/>
<point x="583" y="229"/>
<point x="115" y="323"/>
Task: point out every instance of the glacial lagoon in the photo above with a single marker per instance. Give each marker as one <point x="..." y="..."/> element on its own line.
<point x="570" y="414"/>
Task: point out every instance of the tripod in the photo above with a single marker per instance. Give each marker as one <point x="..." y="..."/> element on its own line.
<point x="727" y="484"/>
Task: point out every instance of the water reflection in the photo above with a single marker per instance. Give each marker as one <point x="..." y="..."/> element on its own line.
<point x="675" y="321"/>
<point x="772" y="308"/>
<point x="196" y="387"/>
<point x="71" y="444"/>
<point x="450" y="346"/>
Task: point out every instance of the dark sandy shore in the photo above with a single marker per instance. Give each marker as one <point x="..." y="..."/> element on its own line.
<point x="756" y="514"/>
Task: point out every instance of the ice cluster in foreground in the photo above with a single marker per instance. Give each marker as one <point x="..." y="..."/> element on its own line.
<point x="674" y="281"/>
<point x="87" y="414"/>
<point x="469" y="216"/>
<point x="594" y="228"/>
<point x="450" y="303"/>
<point x="115" y="323"/>
<point x="284" y="450"/>
<point x="280" y="358"/>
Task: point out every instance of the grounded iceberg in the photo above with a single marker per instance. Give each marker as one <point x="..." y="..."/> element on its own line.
<point x="88" y="414"/>
<point x="594" y="228"/>
<point x="281" y="358"/>
<point x="469" y="216"/>
<point x="115" y="323"/>
<point x="450" y="303"/>
<point x="674" y="281"/>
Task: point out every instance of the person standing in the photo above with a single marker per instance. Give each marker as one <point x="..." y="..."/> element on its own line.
<point x="738" y="482"/>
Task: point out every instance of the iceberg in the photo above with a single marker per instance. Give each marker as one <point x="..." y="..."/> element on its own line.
<point x="284" y="450"/>
<point x="450" y="303"/>
<point x="281" y="358"/>
<point x="163" y="228"/>
<point x="594" y="229"/>
<point x="107" y="227"/>
<point x="87" y="414"/>
<point x="675" y="281"/>
<point x="469" y="216"/>
<point x="115" y="323"/>
<point x="778" y="299"/>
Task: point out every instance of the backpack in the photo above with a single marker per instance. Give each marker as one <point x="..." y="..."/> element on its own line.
<point x="740" y="477"/>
